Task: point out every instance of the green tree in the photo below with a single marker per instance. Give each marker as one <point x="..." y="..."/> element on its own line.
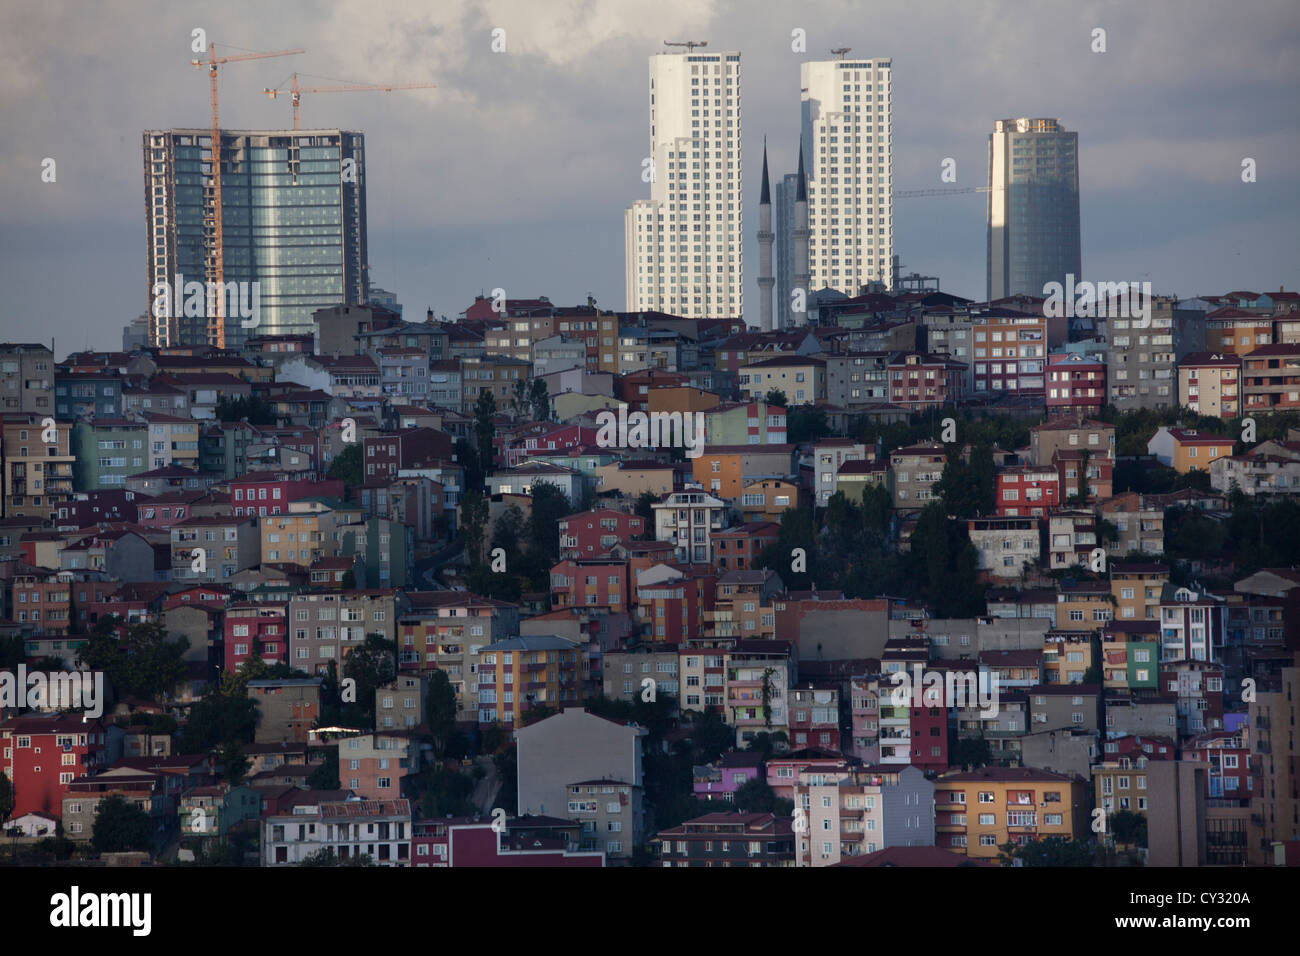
<point x="485" y="410"/>
<point x="218" y="719"/>
<point x="805" y="423"/>
<point x="120" y="826"/>
<point x="232" y="762"/>
<point x="549" y="505"/>
<point x="6" y="797"/>
<point x="540" y="400"/>
<point x="325" y="775"/>
<point x="645" y="510"/>
<point x="326" y="857"/>
<point x="371" y="665"/>
<point x="1129" y="827"/>
<point x="474" y="511"/>
<point x="776" y="397"/>
<point x="970" y="752"/>
<point x="348" y="467"/>
<point x="1050" y="851"/>
<point x="440" y="710"/>
<point x="755" y="796"/>
<point x="712" y="735"/>
<point x="146" y="664"/>
<point x="254" y="409"/>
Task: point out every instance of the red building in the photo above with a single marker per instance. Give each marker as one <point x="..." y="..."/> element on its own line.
<point x="814" y="716"/>
<point x="1096" y="485"/>
<point x="526" y="842"/>
<point x="42" y="755"/>
<point x="268" y="495"/>
<point x="1027" y="491"/>
<point x="163" y="511"/>
<point x="554" y="439"/>
<point x="259" y="627"/>
<point x="736" y="548"/>
<point x="210" y="595"/>
<point x="1076" y="385"/>
<point x="388" y="453"/>
<point x="98" y="506"/>
<point x="590" y="534"/>
<point x="924" y="381"/>
<point x="596" y="583"/>
<point x="43" y="601"/>
<point x="679" y="608"/>
<point x="1228" y="762"/>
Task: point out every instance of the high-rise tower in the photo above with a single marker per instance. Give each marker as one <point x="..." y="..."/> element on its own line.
<point x="801" y="242"/>
<point x="1033" y="210"/>
<point x="294" y="221"/>
<point x="765" y="236"/>
<point x="683" y="246"/>
<point x="847" y="133"/>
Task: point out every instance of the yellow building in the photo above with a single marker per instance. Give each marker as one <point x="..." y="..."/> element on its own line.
<point x="520" y="673"/>
<point x="172" y="441"/>
<point x="1136" y="589"/>
<point x="309" y="532"/>
<point x="1067" y="655"/>
<point x="978" y="811"/>
<point x="1186" y="449"/>
<point x="1084" y="606"/>
<point x="801" y="378"/>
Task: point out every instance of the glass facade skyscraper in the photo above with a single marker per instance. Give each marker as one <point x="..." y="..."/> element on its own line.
<point x="1033" y="212"/>
<point x="293" y="221"/>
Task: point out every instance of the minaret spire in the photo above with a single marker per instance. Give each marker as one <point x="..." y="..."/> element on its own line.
<point x="800" y="240"/>
<point x="766" y="280"/>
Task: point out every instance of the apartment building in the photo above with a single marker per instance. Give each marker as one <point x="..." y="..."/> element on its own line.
<point x="26" y="378"/>
<point x="1187" y="449"/>
<point x="978" y="811"/>
<point x="400" y="705"/>
<point x="688" y="520"/>
<point x="1137" y="589"/>
<point x="1270" y="379"/>
<point x="801" y="378"/>
<point x="1070" y="434"/>
<point x="445" y="631"/>
<point x="1209" y="383"/>
<point x="1076" y="385"/>
<point x="1071" y="538"/>
<point x="1139" y="520"/>
<point x="372" y="765"/>
<point x="37" y="475"/>
<point x="729" y="839"/>
<point x="326" y="626"/>
<point x="549" y="672"/>
<point x="918" y="381"/>
<point x="342" y="825"/>
<point x="1031" y="490"/>
<point x="916" y="469"/>
<point x="856" y="811"/>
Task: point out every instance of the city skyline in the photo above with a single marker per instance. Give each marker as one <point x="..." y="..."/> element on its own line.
<point x="1150" y="171"/>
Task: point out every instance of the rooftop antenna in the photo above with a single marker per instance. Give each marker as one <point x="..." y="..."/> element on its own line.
<point x="842" y="51"/>
<point x="689" y="44"/>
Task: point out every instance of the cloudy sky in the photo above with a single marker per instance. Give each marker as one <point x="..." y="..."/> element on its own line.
<point x="515" y="171"/>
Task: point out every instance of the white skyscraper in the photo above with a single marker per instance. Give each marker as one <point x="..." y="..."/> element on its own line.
<point x="683" y="245"/>
<point x="847" y="131"/>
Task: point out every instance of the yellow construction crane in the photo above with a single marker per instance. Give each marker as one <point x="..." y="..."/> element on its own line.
<point x="689" y="44"/>
<point x="216" y="261"/>
<point x="295" y="91"/>
<point x="918" y="193"/>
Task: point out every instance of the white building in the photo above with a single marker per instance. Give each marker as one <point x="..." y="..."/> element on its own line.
<point x="683" y="246"/>
<point x="847" y="137"/>
<point x="689" y="519"/>
<point x="348" y="828"/>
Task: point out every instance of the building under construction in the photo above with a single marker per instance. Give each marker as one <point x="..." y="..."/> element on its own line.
<point x="292" y="219"/>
